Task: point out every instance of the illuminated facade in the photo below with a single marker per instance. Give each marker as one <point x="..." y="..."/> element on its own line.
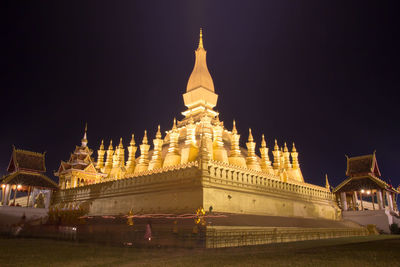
<point x="79" y="170"/>
<point x="197" y="163"/>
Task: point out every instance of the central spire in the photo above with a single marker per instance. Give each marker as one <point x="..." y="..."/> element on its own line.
<point x="201" y="39"/>
<point x="200" y="76"/>
<point x="200" y="94"/>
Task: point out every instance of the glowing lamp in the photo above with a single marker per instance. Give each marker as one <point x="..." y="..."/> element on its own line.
<point x="368" y="192"/>
<point x="14" y="187"/>
<point x="3" y="186"/>
<point x="362" y="190"/>
<point x="19" y="187"/>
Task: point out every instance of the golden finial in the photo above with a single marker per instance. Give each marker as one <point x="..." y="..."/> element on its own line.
<point x="276" y="147"/>
<point x="102" y="145"/>
<point x="84" y="140"/>
<point x="285" y="149"/>
<point x="145" y="137"/>
<point x="251" y="139"/>
<point x="327" y="185"/>
<point x="263" y="143"/>
<point x="132" y="143"/>
<point x="201" y="39"/>
<point x="110" y="146"/>
<point x="294" y="148"/>
<point x="174" y="125"/>
<point x="234" y="127"/>
<point x="120" y="143"/>
<point x="158" y="134"/>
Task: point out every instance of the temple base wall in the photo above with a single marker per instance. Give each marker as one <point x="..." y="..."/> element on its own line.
<point x="242" y="202"/>
<point x="234" y="190"/>
<point x="185" y="189"/>
<point x="174" y="191"/>
<point x="170" y="202"/>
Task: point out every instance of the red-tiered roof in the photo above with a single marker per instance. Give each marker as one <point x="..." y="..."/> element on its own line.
<point x="27" y="168"/>
<point x="362" y="165"/>
<point x="363" y="173"/>
<point x="26" y="160"/>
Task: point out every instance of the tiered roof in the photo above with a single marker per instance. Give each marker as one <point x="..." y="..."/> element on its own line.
<point x="26" y="160"/>
<point x="80" y="159"/>
<point x="27" y="168"/>
<point x="363" y="173"/>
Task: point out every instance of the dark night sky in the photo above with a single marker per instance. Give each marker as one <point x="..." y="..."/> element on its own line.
<point x="324" y="75"/>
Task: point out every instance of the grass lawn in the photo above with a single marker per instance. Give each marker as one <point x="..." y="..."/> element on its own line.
<point x="381" y="250"/>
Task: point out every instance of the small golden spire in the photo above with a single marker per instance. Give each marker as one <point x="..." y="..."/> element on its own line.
<point x="132" y="143"/>
<point x="110" y="146"/>
<point x="263" y="143"/>
<point x="174" y="125"/>
<point x="276" y="147"/>
<point x="201" y="39"/>
<point x="285" y="149"/>
<point x="294" y="148"/>
<point x="251" y="139"/>
<point x="84" y="140"/>
<point x="158" y="134"/>
<point x="120" y="143"/>
<point x="100" y="156"/>
<point x="327" y="185"/>
<point x="234" y="131"/>
<point x="145" y="137"/>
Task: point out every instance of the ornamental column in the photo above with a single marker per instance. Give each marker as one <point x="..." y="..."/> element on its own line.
<point x="143" y="163"/>
<point x="6" y="197"/>
<point x="100" y="156"/>
<point x="173" y="157"/>
<point x="355" y="200"/>
<point x="252" y="160"/>
<point x="156" y="160"/>
<point x="265" y="162"/>
<point x="343" y="200"/>
<point x="109" y="158"/>
<point x="277" y="156"/>
<point x="130" y="164"/>
<point x="235" y="156"/>
<point x="381" y="205"/>
<point x="190" y="150"/>
<point x="219" y="152"/>
<point x="389" y="200"/>
<point x="286" y="156"/>
<point x="295" y="158"/>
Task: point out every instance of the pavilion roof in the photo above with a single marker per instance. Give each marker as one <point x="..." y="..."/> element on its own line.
<point x="29" y="179"/>
<point x="366" y="182"/>
<point x="362" y="165"/>
<point x="26" y="160"/>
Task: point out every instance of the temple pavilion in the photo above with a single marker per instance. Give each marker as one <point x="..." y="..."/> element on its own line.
<point x="364" y="197"/>
<point x="27" y="174"/>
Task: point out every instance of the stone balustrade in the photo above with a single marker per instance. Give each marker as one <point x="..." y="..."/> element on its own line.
<point x="153" y="179"/>
<point x="223" y="173"/>
<point x="234" y="236"/>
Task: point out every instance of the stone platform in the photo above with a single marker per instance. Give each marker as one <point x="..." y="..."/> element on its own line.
<point x="217" y="230"/>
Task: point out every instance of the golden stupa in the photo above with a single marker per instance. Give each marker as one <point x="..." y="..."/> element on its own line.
<point x="197" y="163"/>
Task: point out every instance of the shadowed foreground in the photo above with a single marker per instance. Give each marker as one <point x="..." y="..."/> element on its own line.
<point x="355" y="251"/>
